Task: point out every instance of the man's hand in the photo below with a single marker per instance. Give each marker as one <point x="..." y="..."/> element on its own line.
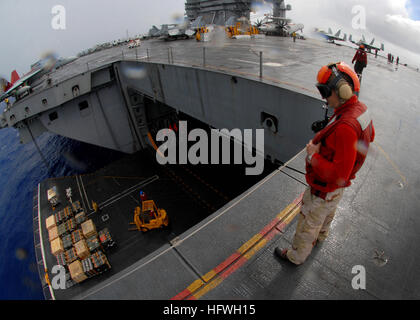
<point x="312" y="148"/>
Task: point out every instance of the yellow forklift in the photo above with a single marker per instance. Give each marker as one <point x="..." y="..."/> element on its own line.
<point x="149" y="217"/>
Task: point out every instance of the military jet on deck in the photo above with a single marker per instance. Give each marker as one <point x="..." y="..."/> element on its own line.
<point x="330" y="37"/>
<point x="369" y="46"/>
<point x="176" y="32"/>
<point x="271" y="25"/>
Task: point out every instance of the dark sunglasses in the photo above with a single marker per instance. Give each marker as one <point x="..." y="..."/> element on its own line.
<point x="324" y="90"/>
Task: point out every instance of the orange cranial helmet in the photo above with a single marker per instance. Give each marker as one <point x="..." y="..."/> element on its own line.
<point x="331" y="77"/>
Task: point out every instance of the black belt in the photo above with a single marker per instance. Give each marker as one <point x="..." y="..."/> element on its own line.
<point x="320" y="183"/>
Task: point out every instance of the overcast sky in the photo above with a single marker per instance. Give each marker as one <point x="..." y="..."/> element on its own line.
<point x="27" y="31"/>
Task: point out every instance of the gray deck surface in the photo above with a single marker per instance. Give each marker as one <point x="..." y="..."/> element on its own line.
<point x="378" y="212"/>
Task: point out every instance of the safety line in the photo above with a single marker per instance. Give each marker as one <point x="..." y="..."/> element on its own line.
<point x="84" y="190"/>
<point x="81" y="195"/>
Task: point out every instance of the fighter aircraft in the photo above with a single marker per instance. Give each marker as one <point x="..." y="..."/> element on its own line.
<point x="19" y="86"/>
<point x="17" y="83"/>
<point x="369" y="46"/>
<point x="291" y="28"/>
<point x="176" y="31"/>
<point x="330" y="37"/>
<point x="154" y="32"/>
<point x="271" y="25"/>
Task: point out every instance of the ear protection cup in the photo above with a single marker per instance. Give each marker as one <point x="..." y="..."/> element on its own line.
<point x="344" y="90"/>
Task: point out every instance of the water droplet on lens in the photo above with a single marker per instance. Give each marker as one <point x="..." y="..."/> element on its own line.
<point x="21" y="254"/>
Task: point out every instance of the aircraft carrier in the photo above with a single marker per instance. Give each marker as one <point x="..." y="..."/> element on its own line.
<point x="224" y="226"/>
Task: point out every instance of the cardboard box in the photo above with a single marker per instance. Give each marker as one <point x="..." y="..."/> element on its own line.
<point x="50" y="222"/>
<point x="57" y="246"/>
<point x="82" y="249"/>
<point x="88" y="228"/>
<point x="76" y="271"/>
<point x="53" y="233"/>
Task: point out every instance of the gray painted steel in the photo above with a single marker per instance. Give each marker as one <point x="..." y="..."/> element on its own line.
<point x="378" y="212"/>
<point x="220" y="98"/>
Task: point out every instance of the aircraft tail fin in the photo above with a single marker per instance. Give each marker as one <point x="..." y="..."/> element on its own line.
<point x="373" y="41"/>
<point x="14" y="77"/>
<point x="338" y="33"/>
<point x="345" y="37"/>
<point x="330" y="31"/>
<point x="351" y="38"/>
<point x="363" y="38"/>
<point x="382" y="47"/>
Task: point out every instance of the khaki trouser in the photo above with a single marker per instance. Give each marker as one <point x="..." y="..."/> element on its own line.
<point x="314" y="223"/>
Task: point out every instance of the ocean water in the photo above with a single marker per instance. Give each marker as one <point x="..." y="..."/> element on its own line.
<point x="21" y="169"/>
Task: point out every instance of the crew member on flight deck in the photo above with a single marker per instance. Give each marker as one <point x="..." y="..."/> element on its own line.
<point x="334" y="156"/>
<point x="361" y="60"/>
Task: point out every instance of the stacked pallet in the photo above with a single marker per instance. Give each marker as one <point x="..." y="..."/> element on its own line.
<point x="96" y="264"/>
<point x="68" y="213"/>
<point x="88" y="228"/>
<point x="93" y="243"/>
<point x="79" y="250"/>
<point x="57" y="246"/>
<point x="53" y="233"/>
<point x="66" y="227"/>
<point x="50" y="222"/>
<point x="70" y="225"/>
<point x="77" y="235"/>
<point x="100" y="262"/>
<point x="80" y="218"/>
<point x="82" y="249"/>
<point x="59" y="217"/>
<point x="67" y="241"/>
<point x="62" y="229"/>
<point x="61" y="259"/>
<point x="88" y="268"/>
<point x="105" y="238"/>
<point x="76" y="271"/>
<point x="76" y="207"/>
<point x="70" y="255"/>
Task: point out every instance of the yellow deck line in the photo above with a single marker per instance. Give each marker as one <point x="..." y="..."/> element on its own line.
<point x="397" y="170"/>
<point x="199" y="288"/>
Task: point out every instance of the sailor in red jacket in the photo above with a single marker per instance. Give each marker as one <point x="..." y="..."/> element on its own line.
<point x="361" y="60"/>
<point x="334" y="157"/>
